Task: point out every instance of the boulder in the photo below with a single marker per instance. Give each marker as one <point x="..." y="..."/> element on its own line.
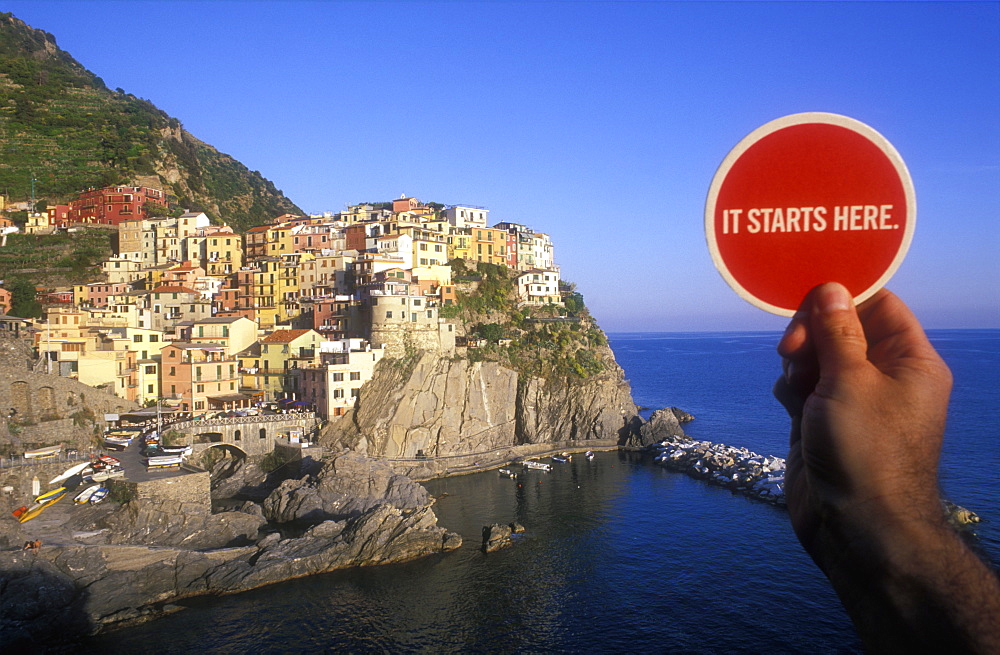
<point x="662" y="424"/>
<point x="347" y="485"/>
<point x="497" y="536"/>
<point x="167" y="523"/>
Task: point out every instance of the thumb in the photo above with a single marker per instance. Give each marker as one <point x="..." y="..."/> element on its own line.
<point x="836" y="331"/>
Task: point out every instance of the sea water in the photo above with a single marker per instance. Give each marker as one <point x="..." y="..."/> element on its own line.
<point x="619" y="555"/>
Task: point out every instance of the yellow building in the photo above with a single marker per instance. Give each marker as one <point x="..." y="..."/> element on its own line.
<point x="287" y="292"/>
<point x="460" y="244"/>
<point x="282" y="354"/>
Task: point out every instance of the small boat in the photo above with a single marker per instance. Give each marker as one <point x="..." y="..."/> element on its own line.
<point x="40" y="453"/>
<point x="532" y="464"/>
<point x="176" y="450"/>
<point x="19" y="511"/>
<point x="105" y="462"/>
<point x="73" y="470"/>
<point x="55" y="493"/>
<point x="560" y="459"/>
<point x="508" y="473"/>
<point x="107" y="474"/>
<point x="164" y="462"/>
<point x="99" y="495"/>
<point x="41" y="503"/>
<point x="589" y="455"/>
<point x="85" y="495"/>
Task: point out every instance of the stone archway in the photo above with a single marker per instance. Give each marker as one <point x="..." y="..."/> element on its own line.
<point x="208" y="437"/>
<point x="219" y="451"/>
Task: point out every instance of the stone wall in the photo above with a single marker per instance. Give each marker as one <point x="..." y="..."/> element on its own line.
<point x="51" y="410"/>
<point x="395" y="337"/>
<point x="193" y="487"/>
<point x="18" y="478"/>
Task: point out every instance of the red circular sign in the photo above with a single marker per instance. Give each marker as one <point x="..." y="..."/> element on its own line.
<point x="807" y="199"/>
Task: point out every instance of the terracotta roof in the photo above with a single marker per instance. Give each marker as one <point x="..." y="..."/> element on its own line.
<point x="284" y="336"/>
<point x="173" y="289"/>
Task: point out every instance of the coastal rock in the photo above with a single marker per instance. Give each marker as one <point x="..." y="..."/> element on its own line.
<point x="682" y="416"/>
<point x="495" y="537"/>
<point x="662" y="424"/>
<point x="81" y="588"/>
<point x="444" y="407"/>
<point x="167" y="523"/>
<point x="347" y="485"/>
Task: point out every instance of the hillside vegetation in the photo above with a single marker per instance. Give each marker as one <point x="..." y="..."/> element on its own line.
<point x="542" y="341"/>
<point x="60" y="123"/>
<point x="55" y="260"/>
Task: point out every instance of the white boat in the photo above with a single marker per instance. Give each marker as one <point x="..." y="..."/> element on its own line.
<point x="99" y="495"/>
<point x="559" y="458"/>
<point x="107" y="474"/>
<point x="176" y="450"/>
<point x="85" y="495"/>
<point x="164" y="461"/>
<point x="71" y="471"/>
<point x="589" y="455"/>
<point x="48" y="451"/>
<point x="532" y="464"/>
<point x="508" y="473"/>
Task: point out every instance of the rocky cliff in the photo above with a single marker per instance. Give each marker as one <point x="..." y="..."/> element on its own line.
<point x="438" y="407"/>
<point x="106" y="564"/>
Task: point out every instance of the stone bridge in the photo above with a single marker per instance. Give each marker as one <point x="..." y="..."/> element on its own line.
<point x="249" y="435"/>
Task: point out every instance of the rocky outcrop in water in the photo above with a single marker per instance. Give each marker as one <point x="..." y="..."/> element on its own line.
<point x="347" y="485"/>
<point x="353" y="512"/>
<point x="737" y="468"/>
<point x="167" y="523"/>
<point x="79" y="588"/>
<point x="443" y="407"/>
<point x="498" y="536"/>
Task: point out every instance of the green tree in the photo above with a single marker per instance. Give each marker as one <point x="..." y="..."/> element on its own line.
<point x="23" y="300"/>
<point x="490" y="331"/>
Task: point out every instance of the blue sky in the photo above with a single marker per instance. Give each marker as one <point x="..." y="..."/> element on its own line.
<point x="599" y="123"/>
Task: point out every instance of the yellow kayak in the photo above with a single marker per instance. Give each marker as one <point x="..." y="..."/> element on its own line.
<point x="41" y="503"/>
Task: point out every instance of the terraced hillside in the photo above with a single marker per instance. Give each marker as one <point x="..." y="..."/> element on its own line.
<point x="62" y="125"/>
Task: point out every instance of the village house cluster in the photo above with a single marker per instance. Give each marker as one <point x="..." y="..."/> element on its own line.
<point x="299" y="311"/>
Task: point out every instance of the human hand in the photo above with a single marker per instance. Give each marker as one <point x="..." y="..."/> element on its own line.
<point x="868" y="397"/>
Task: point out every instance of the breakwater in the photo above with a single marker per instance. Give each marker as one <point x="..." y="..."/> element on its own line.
<point x="740" y="469"/>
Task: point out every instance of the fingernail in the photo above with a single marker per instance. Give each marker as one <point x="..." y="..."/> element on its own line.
<point x="832" y="297"/>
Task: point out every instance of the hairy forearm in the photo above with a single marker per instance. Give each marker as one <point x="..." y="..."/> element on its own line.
<point x="911" y="584"/>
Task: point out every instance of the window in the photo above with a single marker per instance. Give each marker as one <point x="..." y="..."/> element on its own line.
<point x="388" y="314"/>
<point x="354" y="393"/>
<point x="200" y="388"/>
<point x="355" y="375"/>
<point x="137" y="338"/>
<point x="338" y="393"/>
<point x="153" y="338"/>
<point x="416" y="302"/>
<point x="150" y="370"/>
<point x="173" y="370"/>
<point x="149" y="389"/>
<point x="338" y="377"/>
